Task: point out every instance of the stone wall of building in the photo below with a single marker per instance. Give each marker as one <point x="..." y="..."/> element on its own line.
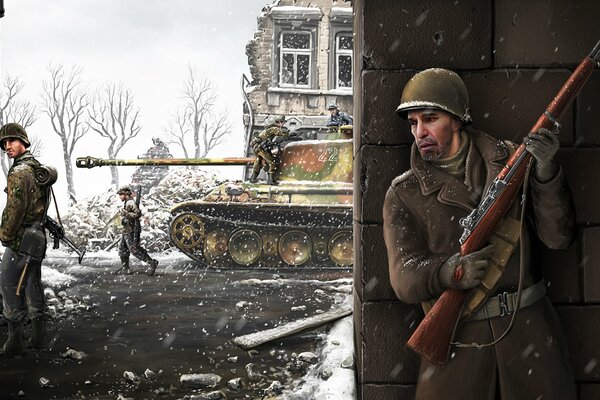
<point x="260" y="51"/>
<point x="513" y="56"/>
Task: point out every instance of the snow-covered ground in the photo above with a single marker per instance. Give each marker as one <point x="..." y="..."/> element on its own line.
<point x="330" y="377"/>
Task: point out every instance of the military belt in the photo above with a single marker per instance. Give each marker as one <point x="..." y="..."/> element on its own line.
<point x="504" y="303"/>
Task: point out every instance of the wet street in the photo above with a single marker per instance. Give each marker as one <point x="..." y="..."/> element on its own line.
<point x="178" y="322"/>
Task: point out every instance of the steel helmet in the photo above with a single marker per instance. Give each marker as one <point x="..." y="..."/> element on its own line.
<point x="332" y="106"/>
<point x="281" y="118"/>
<point x="126" y="189"/>
<point x="13" y="130"/>
<point x="436" y="88"/>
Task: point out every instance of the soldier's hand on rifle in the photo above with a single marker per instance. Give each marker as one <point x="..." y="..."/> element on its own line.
<point x="543" y="146"/>
<point x="465" y="272"/>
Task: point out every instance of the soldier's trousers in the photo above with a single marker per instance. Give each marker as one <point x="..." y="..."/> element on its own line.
<point x="260" y="155"/>
<point x="31" y="299"/>
<point x="130" y="244"/>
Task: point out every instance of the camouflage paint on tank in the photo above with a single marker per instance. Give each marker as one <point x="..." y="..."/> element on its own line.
<point x="317" y="161"/>
<point x="284" y="193"/>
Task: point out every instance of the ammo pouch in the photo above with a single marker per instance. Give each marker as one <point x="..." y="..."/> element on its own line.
<point x="33" y="243"/>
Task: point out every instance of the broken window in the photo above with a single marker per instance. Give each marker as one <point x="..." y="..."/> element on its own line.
<point x="295" y="53"/>
<point x="343" y="59"/>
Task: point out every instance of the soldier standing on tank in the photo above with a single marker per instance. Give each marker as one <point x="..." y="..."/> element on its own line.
<point x="130" y="242"/>
<point x="337" y="118"/>
<point x="21" y="231"/>
<point x="263" y="145"/>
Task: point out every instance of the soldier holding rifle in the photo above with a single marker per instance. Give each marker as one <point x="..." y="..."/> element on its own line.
<point x="23" y="236"/>
<point x="452" y="166"/>
<point x="130" y="241"/>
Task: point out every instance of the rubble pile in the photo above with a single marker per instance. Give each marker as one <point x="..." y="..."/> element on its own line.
<point x="94" y="222"/>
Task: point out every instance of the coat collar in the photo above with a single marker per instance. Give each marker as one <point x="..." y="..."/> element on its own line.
<point x="485" y="159"/>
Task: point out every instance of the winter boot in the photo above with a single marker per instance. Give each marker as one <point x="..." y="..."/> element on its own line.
<point x="254" y="177"/>
<point x="152" y="268"/>
<point x="124" y="267"/>
<point x="14" y="345"/>
<point x="271" y="179"/>
<point x="39" y="338"/>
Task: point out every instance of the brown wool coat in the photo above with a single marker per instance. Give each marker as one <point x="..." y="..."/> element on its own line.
<point x="421" y="214"/>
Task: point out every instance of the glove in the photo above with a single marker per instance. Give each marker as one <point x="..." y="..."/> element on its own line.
<point x="465" y="272"/>
<point x="543" y="146"/>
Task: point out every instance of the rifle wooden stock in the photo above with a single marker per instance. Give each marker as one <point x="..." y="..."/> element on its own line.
<point x="433" y="336"/>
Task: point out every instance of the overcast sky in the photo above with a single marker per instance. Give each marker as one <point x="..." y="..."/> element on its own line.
<point x="145" y="44"/>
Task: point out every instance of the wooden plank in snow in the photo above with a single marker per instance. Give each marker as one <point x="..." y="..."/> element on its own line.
<point x="256" y="339"/>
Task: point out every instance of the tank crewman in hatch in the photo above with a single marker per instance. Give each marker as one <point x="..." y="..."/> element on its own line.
<point x="130" y="242"/>
<point x="23" y="235"/>
<point x="263" y="145"/>
<point x="337" y="118"/>
<point x="452" y="166"/>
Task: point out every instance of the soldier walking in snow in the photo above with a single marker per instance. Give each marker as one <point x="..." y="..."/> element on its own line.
<point x="130" y="242"/>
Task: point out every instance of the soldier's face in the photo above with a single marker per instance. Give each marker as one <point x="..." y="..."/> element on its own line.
<point x="436" y="133"/>
<point x="123" y="196"/>
<point x="13" y="147"/>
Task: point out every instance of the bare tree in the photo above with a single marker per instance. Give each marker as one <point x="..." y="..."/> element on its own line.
<point x="196" y="117"/>
<point x="13" y="109"/>
<point x="65" y="103"/>
<point x="114" y="116"/>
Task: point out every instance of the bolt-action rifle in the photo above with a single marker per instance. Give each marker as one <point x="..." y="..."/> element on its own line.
<point x="433" y="336"/>
<point x="57" y="232"/>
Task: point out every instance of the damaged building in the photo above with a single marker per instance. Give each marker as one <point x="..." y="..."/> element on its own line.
<point x="300" y="62"/>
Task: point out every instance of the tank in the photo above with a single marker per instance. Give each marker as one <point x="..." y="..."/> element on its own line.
<point x="305" y="219"/>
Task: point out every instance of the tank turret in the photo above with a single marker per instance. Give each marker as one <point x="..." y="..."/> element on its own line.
<point x="303" y="220"/>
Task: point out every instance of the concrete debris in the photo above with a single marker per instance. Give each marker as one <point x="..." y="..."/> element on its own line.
<point x="235" y="384"/>
<point x="199" y="381"/>
<point x="276" y="388"/>
<point x="252" y="371"/>
<point x="74" y="354"/>
<point x="131" y="377"/>
<point x="149" y="374"/>
<point x="308" y="357"/>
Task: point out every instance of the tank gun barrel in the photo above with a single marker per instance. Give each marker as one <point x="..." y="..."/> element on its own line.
<point x="91" y="162"/>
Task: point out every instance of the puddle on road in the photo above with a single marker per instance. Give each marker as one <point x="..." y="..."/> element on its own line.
<point x="172" y="324"/>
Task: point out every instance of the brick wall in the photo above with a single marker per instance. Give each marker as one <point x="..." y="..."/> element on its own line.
<point x="513" y="56"/>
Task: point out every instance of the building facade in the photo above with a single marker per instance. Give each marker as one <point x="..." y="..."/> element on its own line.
<point x="301" y="60"/>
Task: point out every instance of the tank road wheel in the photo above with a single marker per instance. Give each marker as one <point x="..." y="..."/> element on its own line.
<point x="187" y="232"/>
<point x="341" y="248"/>
<point x="215" y="245"/>
<point x="270" y="256"/>
<point x="245" y="247"/>
<point x="295" y="247"/>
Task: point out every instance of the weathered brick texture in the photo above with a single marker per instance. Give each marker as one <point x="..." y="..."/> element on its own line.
<point x="544" y="33"/>
<point x="388" y="392"/>
<point x="379" y="166"/>
<point x="513" y="56"/>
<point x="386" y="328"/>
<point x="591" y="265"/>
<point x="417" y="34"/>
